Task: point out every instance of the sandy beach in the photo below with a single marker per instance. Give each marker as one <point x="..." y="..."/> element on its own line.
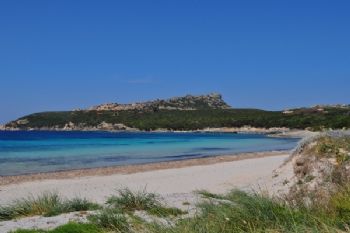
<point x="169" y="179"/>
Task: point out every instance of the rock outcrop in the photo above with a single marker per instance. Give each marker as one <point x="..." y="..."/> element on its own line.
<point x="189" y="102"/>
<point x="102" y="126"/>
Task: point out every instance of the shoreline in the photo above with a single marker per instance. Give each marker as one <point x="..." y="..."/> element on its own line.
<point x="269" y="132"/>
<point x="176" y="182"/>
<point x="132" y="169"/>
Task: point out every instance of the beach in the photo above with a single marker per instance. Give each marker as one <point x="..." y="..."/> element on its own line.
<point x="170" y="179"/>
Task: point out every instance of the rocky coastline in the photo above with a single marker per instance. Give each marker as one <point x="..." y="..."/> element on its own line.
<point x="73" y="127"/>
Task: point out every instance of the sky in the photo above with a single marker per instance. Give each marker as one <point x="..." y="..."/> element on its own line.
<point x="62" y="55"/>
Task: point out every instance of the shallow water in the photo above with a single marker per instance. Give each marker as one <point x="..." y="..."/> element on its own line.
<point x="23" y="152"/>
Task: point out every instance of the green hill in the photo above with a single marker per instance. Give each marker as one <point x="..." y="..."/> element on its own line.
<point x="184" y="113"/>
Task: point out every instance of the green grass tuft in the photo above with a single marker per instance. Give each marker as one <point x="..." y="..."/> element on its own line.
<point x="128" y="200"/>
<point x="112" y="219"/>
<point x="131" y="201"/>
<point x="68" y="228"/>
<point x="48" y="204"/>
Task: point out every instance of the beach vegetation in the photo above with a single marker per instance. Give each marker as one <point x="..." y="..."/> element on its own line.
<point x="131" y="201"/>
<point x="47" y="204"/>
<point x="252" y="212"/>
<point x="239" y="212"/>
<point x="128" y="200"/>
<point x="113" y="219"/>
<point x="68" y="228"/>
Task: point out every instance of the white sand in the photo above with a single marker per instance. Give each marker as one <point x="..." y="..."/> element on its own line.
<point x="217" y="178"/>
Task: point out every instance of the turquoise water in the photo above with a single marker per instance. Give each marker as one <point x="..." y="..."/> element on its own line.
<point x="40" y="151"/>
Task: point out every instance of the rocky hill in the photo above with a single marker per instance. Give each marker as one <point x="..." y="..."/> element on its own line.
<point x="188" y="102"/>
<point x="180" y="113"/>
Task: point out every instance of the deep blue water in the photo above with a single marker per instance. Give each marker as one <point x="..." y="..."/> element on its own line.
<point x="23" y="152"/>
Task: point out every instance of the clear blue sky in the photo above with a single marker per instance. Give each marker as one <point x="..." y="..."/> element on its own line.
<point x="60" y="55"/>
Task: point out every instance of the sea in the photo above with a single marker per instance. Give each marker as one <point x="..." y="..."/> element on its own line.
<point x="26" y="152"/>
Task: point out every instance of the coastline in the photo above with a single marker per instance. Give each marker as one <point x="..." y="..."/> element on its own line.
<point x="271" y="132"/>
<point x="137" y="168"/>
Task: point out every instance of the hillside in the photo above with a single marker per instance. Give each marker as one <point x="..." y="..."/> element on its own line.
<point x="182" y="113"/>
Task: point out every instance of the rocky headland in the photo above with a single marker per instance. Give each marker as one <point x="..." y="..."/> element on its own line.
<point x="188" y="102"/>
<point x="203" y="113"/>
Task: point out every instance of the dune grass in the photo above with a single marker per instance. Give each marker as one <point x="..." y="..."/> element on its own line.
<point x="131" y="201"/>
<point x="253" y="213"/>
<point x="68" y="228"/>
<point x="47" y="204"/>
<point x="117" y="217"/>
<point x="128" y="200"/>
<point x="339" y="206"/>
<point x="110" y="219"/>
<point x="239" y="212"/>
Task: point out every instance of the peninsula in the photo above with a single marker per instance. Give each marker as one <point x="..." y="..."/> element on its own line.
<point x="186" y="113"/>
